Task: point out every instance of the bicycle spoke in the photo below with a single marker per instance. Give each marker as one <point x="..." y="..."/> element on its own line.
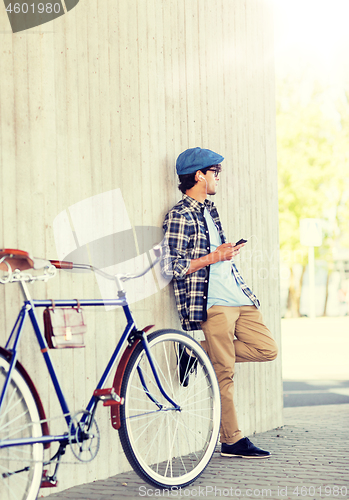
<point x="145" y="428"/>
<point x="189" y="404"/>
<point x="194" y="394"/>
<point x="179" y="455"/>
<point x="197" y="415"/>
<point x="153" y="441"/>
<point x="192" y="432"/>
<point x="171" y="446"/>
<point x="168" y="368"/>
<point x="8" y="407"/>
<point x="160" y="372"/>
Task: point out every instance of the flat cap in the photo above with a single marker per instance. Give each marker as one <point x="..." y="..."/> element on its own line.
<point x="195" y="159"/>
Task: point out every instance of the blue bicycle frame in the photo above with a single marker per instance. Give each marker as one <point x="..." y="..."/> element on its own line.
<point x="29" y="309"/>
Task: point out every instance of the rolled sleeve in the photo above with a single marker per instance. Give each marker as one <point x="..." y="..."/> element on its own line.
<point x="175" y="260"/>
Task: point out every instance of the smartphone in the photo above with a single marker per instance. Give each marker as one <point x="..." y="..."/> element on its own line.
<point x="240" y="241"/>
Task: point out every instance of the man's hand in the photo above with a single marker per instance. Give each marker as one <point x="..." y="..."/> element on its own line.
<point x="226" y="251"/>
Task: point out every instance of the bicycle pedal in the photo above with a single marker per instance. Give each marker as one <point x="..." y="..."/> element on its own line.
<point x="112" y="402"/>
<point x="108" y="396"/>
<point x="47" y="482"/>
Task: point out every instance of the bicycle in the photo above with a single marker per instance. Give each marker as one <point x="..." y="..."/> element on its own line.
<point x="168" y="429"/>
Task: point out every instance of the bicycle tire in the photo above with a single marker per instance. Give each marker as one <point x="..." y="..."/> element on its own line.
<point x="19" y="418"/>
<point x="169" y="449"/>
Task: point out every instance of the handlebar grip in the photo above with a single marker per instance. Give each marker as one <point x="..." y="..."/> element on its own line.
<point x="62" y="264"/>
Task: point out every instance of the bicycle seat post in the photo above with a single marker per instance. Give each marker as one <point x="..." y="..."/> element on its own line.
<point x="25" y="291"/>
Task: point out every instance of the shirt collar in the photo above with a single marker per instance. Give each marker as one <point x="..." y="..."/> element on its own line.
<point x="197" y="205"/>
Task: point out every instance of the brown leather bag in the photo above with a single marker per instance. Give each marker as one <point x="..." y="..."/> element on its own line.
<point x="64" y="327"/>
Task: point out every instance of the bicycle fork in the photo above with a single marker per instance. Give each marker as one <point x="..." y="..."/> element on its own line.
<point x="163" y="392"/>
<point x="135" y="338"/>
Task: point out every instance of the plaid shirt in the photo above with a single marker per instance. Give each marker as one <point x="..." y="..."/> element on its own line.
<point x="187" y="238"/>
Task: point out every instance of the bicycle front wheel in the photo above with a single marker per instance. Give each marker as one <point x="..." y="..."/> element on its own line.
<point x="20" y="466"/>
<point x="170" y="448"/>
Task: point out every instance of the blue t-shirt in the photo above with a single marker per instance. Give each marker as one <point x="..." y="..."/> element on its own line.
<point x="223" y="290"/>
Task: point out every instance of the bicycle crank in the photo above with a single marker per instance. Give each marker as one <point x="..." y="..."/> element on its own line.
<point x="84" y="436"/>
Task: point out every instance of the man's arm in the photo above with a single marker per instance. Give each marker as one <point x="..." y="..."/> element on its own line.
<point x="175" y="261"/>
<point x="226" y="251"/>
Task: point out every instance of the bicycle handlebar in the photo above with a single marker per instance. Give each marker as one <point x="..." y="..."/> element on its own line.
<point x="11" y="260"/>
<point x="62" y="264"/>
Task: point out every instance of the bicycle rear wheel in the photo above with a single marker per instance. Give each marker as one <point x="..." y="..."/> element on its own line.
<point x="169" y="448"/>
<point x="20" y="466"/>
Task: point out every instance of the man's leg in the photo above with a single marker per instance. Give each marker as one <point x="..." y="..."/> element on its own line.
<point x="253" y="343"/>
<point x="253" y="339"/>
<point x="219" y="334"/>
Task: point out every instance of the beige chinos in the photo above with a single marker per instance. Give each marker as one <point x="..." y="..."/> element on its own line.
<point x="253" y="342"/>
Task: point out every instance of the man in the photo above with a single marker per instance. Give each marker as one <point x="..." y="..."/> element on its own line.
<point x="210" y="293"/>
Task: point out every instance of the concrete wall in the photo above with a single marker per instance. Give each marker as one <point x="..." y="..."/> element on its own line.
<point x="106" y="97"/>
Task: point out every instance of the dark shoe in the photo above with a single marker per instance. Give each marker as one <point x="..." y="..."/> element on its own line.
<point x="187" y="364"/>
<point x="243" y="448"/>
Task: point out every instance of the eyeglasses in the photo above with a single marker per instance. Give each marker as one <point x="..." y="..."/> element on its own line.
<point x="215" y="172"/>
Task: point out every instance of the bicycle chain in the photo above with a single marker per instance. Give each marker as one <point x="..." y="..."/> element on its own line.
<point x="50" y="461"/>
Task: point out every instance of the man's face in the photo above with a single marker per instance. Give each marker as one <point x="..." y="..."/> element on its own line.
<point x="212" y="178"/>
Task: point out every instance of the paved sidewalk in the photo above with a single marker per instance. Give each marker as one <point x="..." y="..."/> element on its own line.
<point x="309" y="460"/>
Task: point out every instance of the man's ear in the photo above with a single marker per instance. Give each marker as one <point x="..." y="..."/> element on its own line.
<point x="198" y="174"/>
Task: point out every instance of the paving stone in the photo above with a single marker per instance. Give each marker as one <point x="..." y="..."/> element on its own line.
<point x="307" y="451"/>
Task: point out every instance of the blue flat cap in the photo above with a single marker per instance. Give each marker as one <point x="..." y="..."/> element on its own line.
<point x="195" y="159"/>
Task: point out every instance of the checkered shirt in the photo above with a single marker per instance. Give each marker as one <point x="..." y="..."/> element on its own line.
<point x="186" y="238"/>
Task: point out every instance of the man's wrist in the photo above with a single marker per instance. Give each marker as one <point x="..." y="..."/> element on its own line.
<point x="214" y="257"/>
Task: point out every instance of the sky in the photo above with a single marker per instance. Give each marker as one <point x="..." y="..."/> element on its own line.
<point x="312" y="37"/>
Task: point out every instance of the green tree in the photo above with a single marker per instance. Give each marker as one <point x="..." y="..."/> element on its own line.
<point x="313" y="170"/>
